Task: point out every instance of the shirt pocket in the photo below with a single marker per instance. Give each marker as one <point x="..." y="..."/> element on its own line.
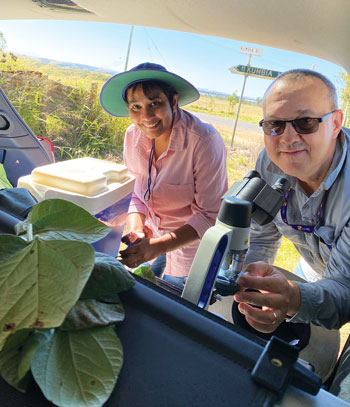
<point x="172" y="198"/>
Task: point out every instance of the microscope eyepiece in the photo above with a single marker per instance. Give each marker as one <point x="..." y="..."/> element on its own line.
<point x="235" y="212"/>
<point x="252" y="174"/>
<point x="281" y="185"/>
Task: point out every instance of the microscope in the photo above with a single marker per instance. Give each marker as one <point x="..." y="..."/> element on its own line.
<point x="222" y="250"/>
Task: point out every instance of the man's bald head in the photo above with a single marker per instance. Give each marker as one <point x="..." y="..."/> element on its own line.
<point x="297" y="74"/>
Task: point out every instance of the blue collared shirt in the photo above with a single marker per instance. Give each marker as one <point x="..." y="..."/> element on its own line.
<point x="327" y="251"/>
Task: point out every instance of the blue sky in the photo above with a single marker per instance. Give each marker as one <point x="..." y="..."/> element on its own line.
<point x="202" y="60"/>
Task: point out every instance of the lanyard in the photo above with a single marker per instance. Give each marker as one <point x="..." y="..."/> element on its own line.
<point x="147" y="194"/>
<point x="304" y="228"/>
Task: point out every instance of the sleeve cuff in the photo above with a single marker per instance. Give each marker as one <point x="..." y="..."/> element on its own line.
<point x="304" y="310"/>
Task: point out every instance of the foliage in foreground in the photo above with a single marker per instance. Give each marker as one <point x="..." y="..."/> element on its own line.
<point x="59" y="307"/>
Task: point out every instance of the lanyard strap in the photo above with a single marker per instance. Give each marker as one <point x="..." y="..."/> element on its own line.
<point x="303" y="228"/>
<point x="147" y="194"/>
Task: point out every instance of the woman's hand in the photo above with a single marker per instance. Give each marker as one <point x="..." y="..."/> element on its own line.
<point x="278" y="297"/>
<point x="131" y="237"/>
<point x="145" y="249"/>
<point x="140" y="250"/>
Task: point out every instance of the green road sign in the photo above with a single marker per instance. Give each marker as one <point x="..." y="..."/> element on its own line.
<point x="253" y="71"/>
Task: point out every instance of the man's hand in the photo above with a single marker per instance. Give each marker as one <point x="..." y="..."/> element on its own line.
<point x="278" y="297"/>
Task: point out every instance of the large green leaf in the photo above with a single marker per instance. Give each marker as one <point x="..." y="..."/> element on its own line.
<point x="9" y="245"/>
<point x="60" y="219"/>
<point x="79" y="368"/>
<point x="17" y="354"/>
<point x="108" y="277"/>
<point x="90" y="313"/>
<point x="41" y="283"/>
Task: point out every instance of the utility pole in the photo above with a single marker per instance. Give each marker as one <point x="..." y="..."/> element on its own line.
<point x="128" y="51"/>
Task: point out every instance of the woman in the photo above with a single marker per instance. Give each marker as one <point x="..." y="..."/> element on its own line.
<point x="179" y="163"/>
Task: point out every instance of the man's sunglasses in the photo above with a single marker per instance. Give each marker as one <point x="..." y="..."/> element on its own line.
<point x="304" y="125"/>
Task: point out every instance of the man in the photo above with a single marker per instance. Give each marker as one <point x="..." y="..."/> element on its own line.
<point x="304" y="142"/>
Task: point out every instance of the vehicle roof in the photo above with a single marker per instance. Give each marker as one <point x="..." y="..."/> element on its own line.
<point x="315" y="27"/>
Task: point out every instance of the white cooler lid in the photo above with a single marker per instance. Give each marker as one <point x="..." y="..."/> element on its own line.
<point x="88" y="182"/>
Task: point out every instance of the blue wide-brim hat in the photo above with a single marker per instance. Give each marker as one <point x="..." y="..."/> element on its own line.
<point x="112" y="97"/>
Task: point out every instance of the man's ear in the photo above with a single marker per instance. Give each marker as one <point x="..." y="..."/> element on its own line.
<point x="337" y="120"/>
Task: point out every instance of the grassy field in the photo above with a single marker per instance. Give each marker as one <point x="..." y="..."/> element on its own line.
<point x="221" y="107"/>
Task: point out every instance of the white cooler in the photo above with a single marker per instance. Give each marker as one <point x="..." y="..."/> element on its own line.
<point x="103" y="188"/>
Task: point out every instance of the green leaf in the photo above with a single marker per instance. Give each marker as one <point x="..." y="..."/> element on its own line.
<point x="41" y="283"/>
<point x="146" y="273"/>
<point x="31" y="345"/>
<point x="60" y="219"/>
<point x="9" y="245"/>
<point x="16" y="356"/>
<point x="110" y="299"/>
<point x="17" y="339"/>
<point x="90" y="313"/>
<point x="79" y="368"/>
<point x="9" y="361"/>
<point x="108" y="277"/>
<point x="4" y="182"/>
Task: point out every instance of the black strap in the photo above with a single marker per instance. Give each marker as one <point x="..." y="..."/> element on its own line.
<point x="147" y="194"/>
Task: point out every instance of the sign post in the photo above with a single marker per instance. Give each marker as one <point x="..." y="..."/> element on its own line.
<point x="240" y="100"/>
<point x="248" y="70"/>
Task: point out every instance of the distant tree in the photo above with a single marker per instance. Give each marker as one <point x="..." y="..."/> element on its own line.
<point x="232" y="100"/>
<point x="3" y="42"/>
<point x="345" y="96"/>
<point x="3" y="58"/>
<point x="2" y="47"/>
<point x="259" y="101"/>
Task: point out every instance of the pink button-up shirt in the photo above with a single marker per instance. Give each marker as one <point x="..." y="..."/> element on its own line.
<point x="188" y="181"/>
